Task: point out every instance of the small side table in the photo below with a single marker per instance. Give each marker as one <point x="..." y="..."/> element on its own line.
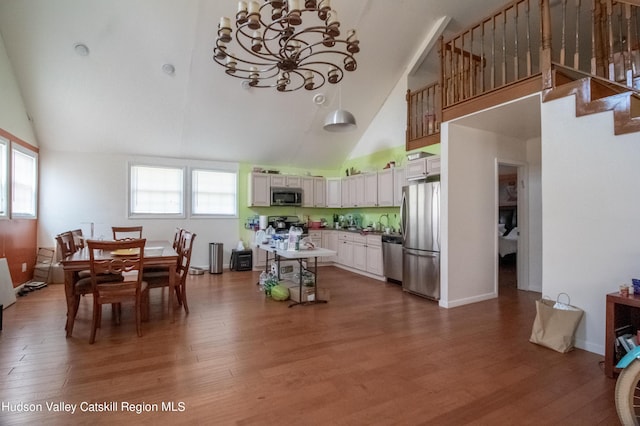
<point x="621" y="311"/>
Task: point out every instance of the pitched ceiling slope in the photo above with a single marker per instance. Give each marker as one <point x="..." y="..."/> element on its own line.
<point x="118" y="99"/>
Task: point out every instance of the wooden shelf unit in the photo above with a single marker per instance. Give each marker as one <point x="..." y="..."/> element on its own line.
<point x="621" y="311"/>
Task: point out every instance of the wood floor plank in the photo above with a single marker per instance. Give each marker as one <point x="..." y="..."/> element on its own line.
<point x="373" y="355"/>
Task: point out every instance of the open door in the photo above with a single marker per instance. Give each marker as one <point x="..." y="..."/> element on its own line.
<point x="511" y="256"/>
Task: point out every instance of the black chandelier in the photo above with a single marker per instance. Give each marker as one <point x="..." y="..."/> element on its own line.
<point x="279" y="52"/>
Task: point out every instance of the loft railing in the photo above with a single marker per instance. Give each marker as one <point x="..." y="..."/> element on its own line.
<point x="423" y="117"/>
<point x="600" y="37"/>
<point x="514" y="45"/>
<point x="499" y="50"/>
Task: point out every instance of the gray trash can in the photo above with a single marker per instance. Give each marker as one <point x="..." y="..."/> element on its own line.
<point x="215" y="258"/>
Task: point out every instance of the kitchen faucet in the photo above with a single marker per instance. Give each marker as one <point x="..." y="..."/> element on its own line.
<point x="380" y="220"/>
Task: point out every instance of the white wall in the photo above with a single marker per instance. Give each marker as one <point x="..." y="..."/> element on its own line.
<point x="79" y="188"/>
<point x="534" y="167"/>
<point x="471" y="210"/>
<point x="590" y="212"/>
<point x="13" y="116"/>
<point x="388" y="128"/>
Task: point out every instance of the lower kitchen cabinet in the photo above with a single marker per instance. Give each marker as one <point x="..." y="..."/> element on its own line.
<point x="345" y="249"/>
<point x="374" y="254"/>
<point x="330" y="241"/>
<point x="360" y="252"/>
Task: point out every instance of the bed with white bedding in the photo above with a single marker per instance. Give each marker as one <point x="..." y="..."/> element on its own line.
<point x="507" y="244"/>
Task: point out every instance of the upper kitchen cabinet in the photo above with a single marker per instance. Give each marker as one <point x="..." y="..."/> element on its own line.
<point x="334" y="192"/>
<point x="385" y="188"/>
<point x="308" y="192"/>
<point x="360" y="190"/>
<point x="259" y="189"/>
<point x="422" y="167"/>
<point x="313" y="191"/>
<point x="370" y="190"/>
<point x="399" y="180"/>
<point x="320" y="192"/>
<point x="283" y="181"/>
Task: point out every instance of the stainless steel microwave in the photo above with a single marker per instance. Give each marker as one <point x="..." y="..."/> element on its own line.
<point x="286" y="196"/>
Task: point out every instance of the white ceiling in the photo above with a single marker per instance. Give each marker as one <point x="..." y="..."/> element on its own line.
<point x="118" y="99"/>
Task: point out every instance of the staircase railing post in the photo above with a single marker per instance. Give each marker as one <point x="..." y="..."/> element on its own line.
<point x="545" y="53"/>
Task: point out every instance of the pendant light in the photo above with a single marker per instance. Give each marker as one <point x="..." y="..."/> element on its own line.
<point x="340" y="120"/>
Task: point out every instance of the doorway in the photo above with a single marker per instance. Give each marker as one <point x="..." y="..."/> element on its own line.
<point x="507" y="227"/>
<point x="511" y="208"/>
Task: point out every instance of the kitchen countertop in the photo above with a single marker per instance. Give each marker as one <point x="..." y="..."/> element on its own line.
<point x="355" y="231"/>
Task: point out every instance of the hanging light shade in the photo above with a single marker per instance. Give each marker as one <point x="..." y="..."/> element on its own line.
<point x="340" y="120"/>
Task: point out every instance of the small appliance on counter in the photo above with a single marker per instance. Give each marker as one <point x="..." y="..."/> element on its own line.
<point x="281" y="224"/>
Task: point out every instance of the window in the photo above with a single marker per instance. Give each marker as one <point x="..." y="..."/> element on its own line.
<point x="4" y="170"/>
<point x="24" y="182"/>
<point x="156" y="190"/>
<point x="213" y="193"/>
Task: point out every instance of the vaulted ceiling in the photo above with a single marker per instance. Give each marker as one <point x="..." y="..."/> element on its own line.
<point x="118" y="99"/>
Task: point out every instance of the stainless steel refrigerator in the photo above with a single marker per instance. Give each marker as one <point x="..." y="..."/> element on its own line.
<point x="420" y="215"/>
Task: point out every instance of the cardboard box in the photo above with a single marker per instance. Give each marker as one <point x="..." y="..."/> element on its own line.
<point x="294" y="293"/>
<point x="288" y="268"/>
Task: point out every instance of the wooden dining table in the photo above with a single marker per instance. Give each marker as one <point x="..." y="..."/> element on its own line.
<point x="156" y="254"/>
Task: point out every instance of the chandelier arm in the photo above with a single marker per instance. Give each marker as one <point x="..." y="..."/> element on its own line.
<point x="282" y="48"/>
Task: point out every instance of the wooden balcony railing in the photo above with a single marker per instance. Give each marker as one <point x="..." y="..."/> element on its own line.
<point x="423" y="118"/>
<point x="513" y="47"/>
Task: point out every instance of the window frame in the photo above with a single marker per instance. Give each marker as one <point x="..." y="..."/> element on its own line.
<point x="192" y="193"/>
<point x="156" y="164"/>
<point x="187" y="166"/>
<point x="33" y="154"/>
<point x="5" y="183"/>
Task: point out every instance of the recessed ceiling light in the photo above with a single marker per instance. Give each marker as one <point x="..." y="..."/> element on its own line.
<point x="169" y="69"/>
<point x="81" y="49"/>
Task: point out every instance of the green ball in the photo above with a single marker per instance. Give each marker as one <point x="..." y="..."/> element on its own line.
<point x="279" y="292"/>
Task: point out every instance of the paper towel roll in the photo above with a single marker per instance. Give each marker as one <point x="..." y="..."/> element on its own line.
<point x="263" y="222"/>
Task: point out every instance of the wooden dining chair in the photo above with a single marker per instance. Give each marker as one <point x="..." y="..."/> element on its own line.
<point x="184" y="261"/>
<point x="78" y="239"/>
<point x="126" y="232"/>
<point x="177" y="237"/>
<point x="156" y="279"/>
<point x="131" y="288"/>
<point x="66" y="245"/>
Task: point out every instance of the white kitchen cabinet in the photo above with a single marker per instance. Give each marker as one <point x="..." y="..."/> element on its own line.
<point x="433" y="165"/>
<point x="308" y="192"/>
<point x="417" y="169"/>
<point x="374" y="254"/>
<point x="399" y="180"/>
<point x="330" y="241"/>
<point x="360" y="190"/>
<point x="370" y="190"/>
<point x="334" y="192"/>
<point x="345" y="249"/>
<point x="356" y="190"/>
<point x="259" y="189"/>
<point x="316" y="237"/>
<point x="344" y="193"/>
<point x="422" y="167"/>
<point x="319" y="192"/>
<point x="360" y="252"/>
<point x="386" y="188"/>
<point x="285" y="181"/>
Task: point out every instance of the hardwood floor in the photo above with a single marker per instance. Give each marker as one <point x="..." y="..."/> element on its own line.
<point x="372" y="356"/>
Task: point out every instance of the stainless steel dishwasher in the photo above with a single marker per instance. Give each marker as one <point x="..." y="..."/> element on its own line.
<point x="392" y="257"/>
